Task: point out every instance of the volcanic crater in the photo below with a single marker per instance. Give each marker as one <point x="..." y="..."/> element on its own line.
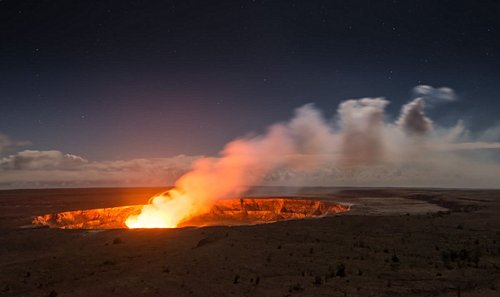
<point x="240" y="211"/>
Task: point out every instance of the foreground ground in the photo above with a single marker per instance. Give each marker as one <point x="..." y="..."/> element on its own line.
<point x="394" y="242"/>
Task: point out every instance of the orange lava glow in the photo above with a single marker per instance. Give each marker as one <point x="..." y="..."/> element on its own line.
<point x="166" y="210"/>
<point x="241" y="211"/>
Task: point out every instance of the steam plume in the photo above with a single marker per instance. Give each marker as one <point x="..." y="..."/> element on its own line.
<point x="243" y="162"/>
<point x="307" y="143"/>
<point x="413" y="120"/>
<point x="362" y="123"/>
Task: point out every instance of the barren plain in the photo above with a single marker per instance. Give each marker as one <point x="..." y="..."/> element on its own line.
<point x="393" y="242"/>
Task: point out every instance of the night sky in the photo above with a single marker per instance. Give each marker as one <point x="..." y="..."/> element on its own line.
<point x="111" y="80"/>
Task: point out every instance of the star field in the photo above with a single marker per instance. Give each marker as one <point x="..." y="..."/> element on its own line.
<point x="122" y="79"/>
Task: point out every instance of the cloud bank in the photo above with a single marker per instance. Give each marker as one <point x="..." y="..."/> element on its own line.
<point x="357" y="147"/>
<point x="48" y="169"/>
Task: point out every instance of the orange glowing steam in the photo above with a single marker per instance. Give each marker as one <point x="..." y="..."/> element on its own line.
<point x="243" y="162"/>
<point x="166" y="210"/>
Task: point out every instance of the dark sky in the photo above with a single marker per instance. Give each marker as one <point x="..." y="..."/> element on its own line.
<point x="125" y="79"/>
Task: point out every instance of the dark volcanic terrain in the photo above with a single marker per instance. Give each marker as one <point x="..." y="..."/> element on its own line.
<point x="393" y="242"/>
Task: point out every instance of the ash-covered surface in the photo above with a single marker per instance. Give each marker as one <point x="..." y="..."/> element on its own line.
<point x="449" y="245"/>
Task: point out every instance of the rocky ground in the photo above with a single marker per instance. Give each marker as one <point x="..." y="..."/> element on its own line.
<point x="394" y="242"/>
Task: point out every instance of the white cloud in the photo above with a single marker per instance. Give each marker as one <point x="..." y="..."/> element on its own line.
<point x="432" y="94"/>
<point x="32" y="168"/>
<point x="41" y="160"/>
